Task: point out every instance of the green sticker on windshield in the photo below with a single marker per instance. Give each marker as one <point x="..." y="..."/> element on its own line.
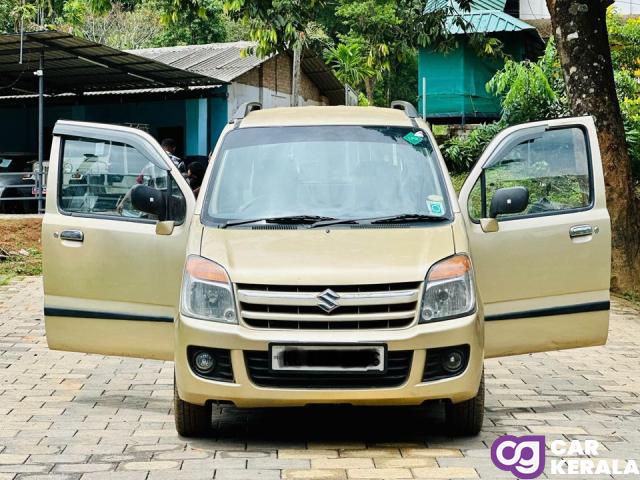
<point x="414" y="138"/>
<point x="435" y="207"/>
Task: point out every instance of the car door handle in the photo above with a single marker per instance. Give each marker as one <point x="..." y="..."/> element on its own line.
<point x="72" y="235"/>
<point x="581" y="231"/>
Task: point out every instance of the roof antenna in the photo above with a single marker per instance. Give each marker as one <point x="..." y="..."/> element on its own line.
<point x="21" y="32"/>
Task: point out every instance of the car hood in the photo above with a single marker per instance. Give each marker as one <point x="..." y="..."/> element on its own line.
<point x="337" y="256"/>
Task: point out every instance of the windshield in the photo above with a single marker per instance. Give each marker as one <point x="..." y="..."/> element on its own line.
<point x="335" y="172"/>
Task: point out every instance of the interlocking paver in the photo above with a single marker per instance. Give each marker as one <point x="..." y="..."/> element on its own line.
<point x="89" y="417"/>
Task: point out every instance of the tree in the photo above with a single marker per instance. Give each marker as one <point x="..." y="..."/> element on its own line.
<point x="390" y="31"/>
<point x="192" y="26"/>
<point x="530" y="91"/>
<point x="624" y="37"/>
<point x="118" y="27"/>
<point x="580" y="30"/>
<point x="281" y="26"/>
<point x="349" y="63"/>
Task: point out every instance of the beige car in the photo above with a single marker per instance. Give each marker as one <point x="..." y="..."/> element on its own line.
<point x="327" y="259"/>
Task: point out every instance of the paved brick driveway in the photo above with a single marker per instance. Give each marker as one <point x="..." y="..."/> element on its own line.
<point x="66" y="415"/>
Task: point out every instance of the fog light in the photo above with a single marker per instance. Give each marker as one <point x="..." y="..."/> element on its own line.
<point x="453" y="361"/>
<point x="204" y="362"/>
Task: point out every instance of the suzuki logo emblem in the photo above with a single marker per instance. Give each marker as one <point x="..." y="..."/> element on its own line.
<point x="327" y="300"/>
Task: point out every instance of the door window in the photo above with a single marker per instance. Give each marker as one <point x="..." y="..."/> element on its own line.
<point x="97" y="177"/>
<point x="554" y="167"/>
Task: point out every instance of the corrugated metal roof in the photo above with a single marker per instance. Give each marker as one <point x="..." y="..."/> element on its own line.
<point x="476" y="5"/>
<point x="73" y="64"/>
<point x="228" y="61"/>
<point x="105" y="93"/>
<point x="224" y="61"/>
<point x="489" y="21"/>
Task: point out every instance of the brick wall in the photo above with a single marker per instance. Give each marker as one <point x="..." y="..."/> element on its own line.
<point x="276" y="76"/>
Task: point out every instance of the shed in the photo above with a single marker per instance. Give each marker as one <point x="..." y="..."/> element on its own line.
<point x="187" y="93"/>
<point x="456" y="80"/>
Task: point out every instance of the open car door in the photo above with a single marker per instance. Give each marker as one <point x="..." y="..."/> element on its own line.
<point x="540" y="238"/>
<point x="112" y="272"/>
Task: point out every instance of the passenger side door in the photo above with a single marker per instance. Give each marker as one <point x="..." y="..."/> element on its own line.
<point x="112" y="273"/>
<point x="543" y="267"/>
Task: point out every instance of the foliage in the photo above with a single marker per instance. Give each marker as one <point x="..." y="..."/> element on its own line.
<point x="400" y="83"/>
<point x="461" y="152"/>
<point x="119" y="28"/>
<point x="526" y="89"/>
<point x="281" y="26"/>
<point x="128" y="23"/>
<point x="388" y="32"/>
<point x="277" y="25"/>
<point x="349" y="63"/>
<point x="207" y="24"/>
<point x="7" y="22"/>
<point x="624" y="38"/>
<point x="13" y="11"/>
<point x="531" y="91"/>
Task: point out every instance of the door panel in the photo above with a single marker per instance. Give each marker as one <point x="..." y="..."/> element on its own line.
<point x="111" y="283"/>
<point x="544" y="275"/>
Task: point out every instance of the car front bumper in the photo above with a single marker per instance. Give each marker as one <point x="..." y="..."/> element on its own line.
<point x="243" y="393"/>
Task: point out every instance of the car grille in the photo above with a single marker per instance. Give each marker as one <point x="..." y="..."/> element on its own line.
<point x="376" y="306"/>
<point x="260" y="373"/>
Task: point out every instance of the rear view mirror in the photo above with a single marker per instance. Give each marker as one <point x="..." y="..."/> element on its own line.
<point x="149" y="200"/>
<point x="509" y="201"/>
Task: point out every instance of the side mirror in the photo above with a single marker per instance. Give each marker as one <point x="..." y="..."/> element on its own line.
<point x="149" y="200"/>
<point x="508" y="201"/>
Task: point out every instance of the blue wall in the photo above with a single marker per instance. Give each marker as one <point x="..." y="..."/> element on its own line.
<point x="202" y="120"/>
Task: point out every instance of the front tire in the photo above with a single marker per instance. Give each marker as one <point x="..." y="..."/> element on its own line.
<point x="465" y="418"/>
<point x="191" y="420"/>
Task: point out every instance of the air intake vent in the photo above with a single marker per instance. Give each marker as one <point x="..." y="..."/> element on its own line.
<point x="384" y="225"/>
<point x="274" y="227"/>
<point x="260" y="373"/>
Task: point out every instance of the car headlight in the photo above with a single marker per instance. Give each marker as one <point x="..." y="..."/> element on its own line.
<point x="206" y="291"/>
<point x="449" y="290"/>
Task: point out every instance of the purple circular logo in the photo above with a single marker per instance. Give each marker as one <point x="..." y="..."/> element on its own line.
<point x="523" y="456"/>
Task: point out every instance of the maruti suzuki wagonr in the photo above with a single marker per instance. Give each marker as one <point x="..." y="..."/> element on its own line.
<point x="327" y="258"/>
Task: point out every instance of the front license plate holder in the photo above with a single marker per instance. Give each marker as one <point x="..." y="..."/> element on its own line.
<point x="323" y="358"/>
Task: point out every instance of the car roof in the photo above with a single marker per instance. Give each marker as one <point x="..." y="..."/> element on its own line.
<point x="339" y="115"/>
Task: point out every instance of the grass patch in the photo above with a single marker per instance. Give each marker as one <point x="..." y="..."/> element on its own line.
<point x="20" y="241"/>
<point x="632" y="297"/>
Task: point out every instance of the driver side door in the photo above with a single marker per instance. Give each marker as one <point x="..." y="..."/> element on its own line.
<point x="543" y="273"/>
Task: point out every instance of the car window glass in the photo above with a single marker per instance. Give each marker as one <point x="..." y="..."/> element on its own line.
<point x="337" y="172"/>
<point x="97" y="177"/>
<point x="553" y="167"/>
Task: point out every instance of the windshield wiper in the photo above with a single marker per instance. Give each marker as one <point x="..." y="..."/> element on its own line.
<point x="409" y="217"/>
<point x="286" y="220"/>
<point x="405" y="217"/>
